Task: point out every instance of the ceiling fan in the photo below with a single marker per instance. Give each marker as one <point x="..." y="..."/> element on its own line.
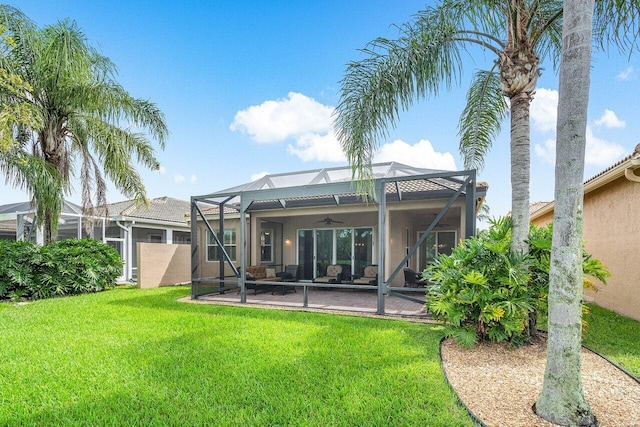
<point x="329" y="221"/>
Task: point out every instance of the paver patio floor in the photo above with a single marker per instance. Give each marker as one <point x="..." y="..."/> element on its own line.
<point x="359" y="301"/>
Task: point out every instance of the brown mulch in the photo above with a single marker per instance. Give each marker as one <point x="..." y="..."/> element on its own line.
<point x="500" y="384"/>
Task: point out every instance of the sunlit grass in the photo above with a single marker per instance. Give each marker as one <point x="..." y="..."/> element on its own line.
<point x="138" y="357"/>
<point x="615" y="337"/>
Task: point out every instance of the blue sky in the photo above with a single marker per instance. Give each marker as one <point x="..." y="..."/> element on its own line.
<point x="248" y="87"/>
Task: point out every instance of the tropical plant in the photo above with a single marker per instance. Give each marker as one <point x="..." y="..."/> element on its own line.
<point x="485" y="291"/>
<point x="428" y="56"/>
<point x="71" y="266"/>
<point x="482" y="290"/>
<point x="87" y="119"/>
<point x="67" y="267"/>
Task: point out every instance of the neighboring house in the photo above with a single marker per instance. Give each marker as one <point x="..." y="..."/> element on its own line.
<point x="162" y="221"/>
<point x="124" y="225"/>
<point x="315" y="219"/>
<point x="611" y="231"/>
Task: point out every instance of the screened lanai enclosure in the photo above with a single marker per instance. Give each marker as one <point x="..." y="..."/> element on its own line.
<point x="314" y="224"/>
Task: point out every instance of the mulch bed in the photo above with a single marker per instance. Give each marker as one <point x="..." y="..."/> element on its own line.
<point x="499" y="385"/>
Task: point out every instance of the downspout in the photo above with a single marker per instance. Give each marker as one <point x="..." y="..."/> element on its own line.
<point x="127" y="239"/>
<point x="629" y="172"/>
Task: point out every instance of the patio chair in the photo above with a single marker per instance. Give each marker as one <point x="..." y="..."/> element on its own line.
<point x="333" y="275"/>
<point x="413" y="279"/>
<point x="369" y="276"/>
<point x="290" y="274"/>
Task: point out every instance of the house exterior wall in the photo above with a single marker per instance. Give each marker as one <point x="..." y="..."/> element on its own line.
<point x="611" y="231"/>
<point x="543" y="220"/>
<point x="162" y="264"/>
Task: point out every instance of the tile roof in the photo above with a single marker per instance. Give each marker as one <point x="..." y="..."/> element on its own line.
<point x="160" y="209"/>
<point x="636" y="153"/>
<point x="533" y="207"/>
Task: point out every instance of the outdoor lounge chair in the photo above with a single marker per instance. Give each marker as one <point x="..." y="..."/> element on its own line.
<point x="333" y="275"/>
<point x="413" y="279"/>
<point x="369" y="276"/>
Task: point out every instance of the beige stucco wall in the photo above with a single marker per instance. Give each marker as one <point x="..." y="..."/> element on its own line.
<point x="160" y="264"/>
<point x="612" y="234"/>
<point x="543" y="220"/>
<point x="611" y="231"/>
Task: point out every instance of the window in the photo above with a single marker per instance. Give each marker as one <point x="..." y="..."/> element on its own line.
<point x="213" y="254"/>
<point x="266" y="246"/>
<point x="437" y="242"/>
<point x="155" y="238"/>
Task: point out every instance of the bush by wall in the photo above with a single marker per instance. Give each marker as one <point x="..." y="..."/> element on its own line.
<point x="67" y="267"/>
<point x="484" y="292"/>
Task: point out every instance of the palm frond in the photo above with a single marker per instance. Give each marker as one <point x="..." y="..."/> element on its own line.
<point x="481" y="118"/>
<point x="617" y="23"/>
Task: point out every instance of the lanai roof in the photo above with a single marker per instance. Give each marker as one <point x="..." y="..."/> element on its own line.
<point x="331" y="186"/>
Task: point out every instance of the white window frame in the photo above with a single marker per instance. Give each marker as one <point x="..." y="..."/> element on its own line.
<point x="232" y="243"/>
<point x="263" y="244"/>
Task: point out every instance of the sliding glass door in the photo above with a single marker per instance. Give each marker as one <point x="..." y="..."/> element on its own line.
<point x="349" y="247"/>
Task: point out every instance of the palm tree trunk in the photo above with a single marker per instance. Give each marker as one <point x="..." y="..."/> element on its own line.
<point x="520" y="158"/>
<point x="562" y="399"/>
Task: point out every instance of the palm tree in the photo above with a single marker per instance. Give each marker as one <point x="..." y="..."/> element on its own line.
<point x="87" y="119"/>
<point x="562" y="399"/>
<point x="428" y="56"/>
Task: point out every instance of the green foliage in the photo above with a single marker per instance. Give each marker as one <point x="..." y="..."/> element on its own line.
<point x="484" y="292"/>
<point x="481" y="290"/>
<point x="17" y="272"/>
<point x="67" y="267"/>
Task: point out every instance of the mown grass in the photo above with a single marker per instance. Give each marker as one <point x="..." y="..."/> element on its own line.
<point x="138" y="357"/>
<point x="615" y="337"/>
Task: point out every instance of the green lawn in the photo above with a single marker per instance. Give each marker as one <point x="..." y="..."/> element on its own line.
<point x="138" y="357"/>
<point x="615" y="337"/>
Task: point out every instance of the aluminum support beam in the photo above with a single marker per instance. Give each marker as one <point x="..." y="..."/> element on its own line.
<point x="382" y="215"/>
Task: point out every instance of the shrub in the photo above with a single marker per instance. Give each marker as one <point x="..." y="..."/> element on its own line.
<point x="66" y="267"/>
<point x="18" y="268"/>
<point x="484" y="292"/>
<point x="481" y="290"/>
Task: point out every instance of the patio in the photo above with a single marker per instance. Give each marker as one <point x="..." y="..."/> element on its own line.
<point x="357" y="301"/>
<point x="316" y="219"/>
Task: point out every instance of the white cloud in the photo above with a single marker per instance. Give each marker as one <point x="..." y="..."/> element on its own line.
<point x="627" y="74"/>
<point x="298" y="117"/>
<point x="598" y="152"/>
<point x="547" y="151"/>
<point x="610" y="120"/>
<point x="421" y="155"/>
<point x="256" y="176"/>
<point x="544" y="110"/>
<point x="162" y="170"/>
<point x="291" y="117"/>
<point x="193" y="179"/>
<point x="178" y="178"/>
<point x="324" y="148"/>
